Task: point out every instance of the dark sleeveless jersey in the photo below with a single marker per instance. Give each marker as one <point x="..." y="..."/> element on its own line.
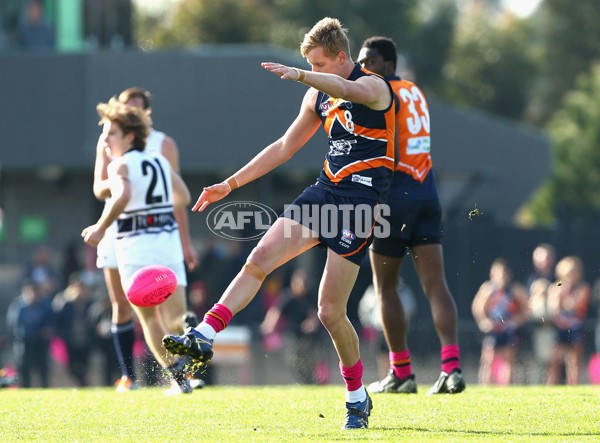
<point x="360" y="161"/>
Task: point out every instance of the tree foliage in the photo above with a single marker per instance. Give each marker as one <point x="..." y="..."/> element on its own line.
<point x="431" y="46"/>
<point x="573" y="190"/>
<point x="278" y="22"/>
<point x="488" y="69"/>
<point x="568" y="35"/>
<point x="196" y="22"/>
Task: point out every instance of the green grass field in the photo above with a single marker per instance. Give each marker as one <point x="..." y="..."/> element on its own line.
<point x="298" y="414"/>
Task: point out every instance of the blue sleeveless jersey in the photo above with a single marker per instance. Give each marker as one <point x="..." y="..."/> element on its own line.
<point x="360" y="161"/>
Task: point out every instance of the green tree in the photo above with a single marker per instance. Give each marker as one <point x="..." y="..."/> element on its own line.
<point x="430" y="47"/>
<point x="488" y="68"/>
<point x="573" y="190"/>
<point x="197" y="22"/>
<point x="278" y="22"/>
<point x="568" y="34"/>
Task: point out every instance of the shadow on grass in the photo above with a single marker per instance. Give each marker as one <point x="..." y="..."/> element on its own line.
<point x="475" y="432"/>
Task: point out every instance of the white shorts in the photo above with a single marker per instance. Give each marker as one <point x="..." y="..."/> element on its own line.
<point x="106" y="250"/>
<point x="126" y="271"/>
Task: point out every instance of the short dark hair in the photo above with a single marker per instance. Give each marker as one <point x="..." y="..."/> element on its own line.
<point x="133" y="92"/>
<point x="385" y="46"/>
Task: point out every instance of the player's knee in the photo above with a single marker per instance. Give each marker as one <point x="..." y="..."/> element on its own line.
<point x="254" y="270"/>
<point x="329" y="316"/>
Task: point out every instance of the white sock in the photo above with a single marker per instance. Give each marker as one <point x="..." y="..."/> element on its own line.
<point x="354" y="396"/>
<point x="206" y="330"/>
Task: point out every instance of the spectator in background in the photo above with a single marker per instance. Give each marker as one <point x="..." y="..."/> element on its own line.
<point x="36" y="33"/>
<point x="297" y="310"/>
<point x="500" y="308"/>
<point x="568" y="303"/>
<point x="596" y="304"/>
<point x="75" y="326"/>
<point x="544" y="260"/>
<point x="71" y="262"/>
<point x="539" y="331"/>
<point x="30" y="321"/>
<point x="41" y="271"/>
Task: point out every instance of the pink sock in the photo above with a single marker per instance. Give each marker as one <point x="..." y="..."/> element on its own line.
<point x="352" y="376"/>
<point x="450" y="358"/>
<point x="400" y="362"/>
<point x="218" y="317"/>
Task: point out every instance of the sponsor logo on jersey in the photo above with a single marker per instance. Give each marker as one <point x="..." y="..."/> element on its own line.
<point x="340" y="147"/>
<point x="348" y="234"/>
<point x="367" y="181"/>
<point x="418" y="145"/>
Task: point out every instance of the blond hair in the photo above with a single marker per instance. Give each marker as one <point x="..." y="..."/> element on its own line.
<point x="131" y="119"/>
<point x="565" y="265"/>
<point x="330" y="35"/>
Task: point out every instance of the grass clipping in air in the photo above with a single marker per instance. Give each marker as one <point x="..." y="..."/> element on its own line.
<point x="299" y="414"/>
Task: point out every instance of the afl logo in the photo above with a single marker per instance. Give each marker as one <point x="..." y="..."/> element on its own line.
<point x="242" y="221"/>
<point x="346" y="233"/>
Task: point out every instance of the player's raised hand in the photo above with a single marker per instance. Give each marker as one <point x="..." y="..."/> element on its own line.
<point x="285" y="72"/>
<point x="210" y="195"/>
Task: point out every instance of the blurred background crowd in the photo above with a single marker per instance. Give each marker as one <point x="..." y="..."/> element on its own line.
<point x="542" y="330"/>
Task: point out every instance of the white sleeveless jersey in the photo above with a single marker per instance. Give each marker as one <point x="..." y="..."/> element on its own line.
<point x="155" y="141"/>
<point x="147" y="232"/>
<point x="106" y="249"/>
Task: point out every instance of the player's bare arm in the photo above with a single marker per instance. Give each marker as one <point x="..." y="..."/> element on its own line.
<point x="171" y="153"/>
<point x="371" y="91"/>
<point x="181" y="193"/>
<point x="277" y="153"/>
<point x="101" y="185"/>
<point x="121" y="193"/>
<point x="478" y="307"/>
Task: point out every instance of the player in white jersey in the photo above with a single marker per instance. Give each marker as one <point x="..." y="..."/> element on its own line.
<point x="122" y="315"/>
<point x="144" y="191"/>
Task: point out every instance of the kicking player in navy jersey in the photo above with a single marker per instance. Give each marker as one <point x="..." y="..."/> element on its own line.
<point x="416" y="225"/>
<point x="356" y="109"/>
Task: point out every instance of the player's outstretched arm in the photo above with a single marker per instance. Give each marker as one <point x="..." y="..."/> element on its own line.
<point x="277" y="153"/>
<point x="371" y="91"/>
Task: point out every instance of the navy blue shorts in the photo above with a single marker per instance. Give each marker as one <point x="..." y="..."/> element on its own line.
<point x="343" y="224"/>
<point x="500" y="339"/>
<point x="569" y="336"/>
<point x="412" y="223"/>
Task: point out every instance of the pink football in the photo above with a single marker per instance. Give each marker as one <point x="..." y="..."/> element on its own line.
<point x="151" y="285"/>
